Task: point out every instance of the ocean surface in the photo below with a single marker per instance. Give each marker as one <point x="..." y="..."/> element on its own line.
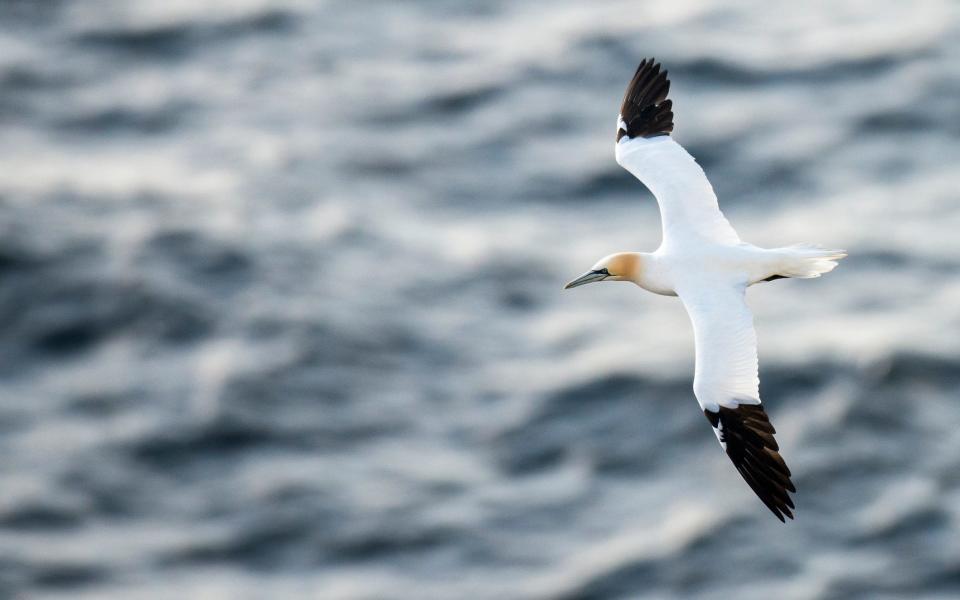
<point x="281" y="305"/>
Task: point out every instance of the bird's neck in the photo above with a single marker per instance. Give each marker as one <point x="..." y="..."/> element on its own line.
<point x="651" y="274"/>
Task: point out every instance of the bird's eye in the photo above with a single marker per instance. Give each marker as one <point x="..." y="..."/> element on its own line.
<point x="602" y="271"/>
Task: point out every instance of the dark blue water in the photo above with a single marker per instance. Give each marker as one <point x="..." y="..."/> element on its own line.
<point x="281" y="311"/>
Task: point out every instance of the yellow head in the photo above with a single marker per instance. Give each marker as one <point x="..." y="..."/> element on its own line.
<point x="622" y="266"/>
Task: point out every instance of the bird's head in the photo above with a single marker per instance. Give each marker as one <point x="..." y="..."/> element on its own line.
<point x="623" y="266"/>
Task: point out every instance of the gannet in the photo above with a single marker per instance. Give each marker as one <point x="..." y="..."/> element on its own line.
<point x="703" y="261"/>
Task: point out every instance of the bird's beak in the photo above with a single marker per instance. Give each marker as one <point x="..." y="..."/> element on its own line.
<point x="588" y="277"/>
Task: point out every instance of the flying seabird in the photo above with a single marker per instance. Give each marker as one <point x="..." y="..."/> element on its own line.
<point x="703" y="261"/>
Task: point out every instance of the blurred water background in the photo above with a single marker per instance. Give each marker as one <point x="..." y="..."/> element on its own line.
<point x="281" y="311"/>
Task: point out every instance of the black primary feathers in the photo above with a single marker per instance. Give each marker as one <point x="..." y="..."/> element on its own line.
<point x="645" y="109"/>
<point x="748" y="435"/>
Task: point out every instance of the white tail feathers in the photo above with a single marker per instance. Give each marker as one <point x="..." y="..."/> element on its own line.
<point x="806" y="261"/>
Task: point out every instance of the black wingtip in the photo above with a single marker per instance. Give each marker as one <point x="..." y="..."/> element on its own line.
<point x="645" y="110"/>
<point x="748" y="435"/>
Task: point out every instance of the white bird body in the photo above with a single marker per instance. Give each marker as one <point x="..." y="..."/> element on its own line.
<point x="665" y="270"/>
<point x="703" y="261"/>
<point x="671" y="265"/>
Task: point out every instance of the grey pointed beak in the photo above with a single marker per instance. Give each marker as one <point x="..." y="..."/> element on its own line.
<point x="588" y="277"/>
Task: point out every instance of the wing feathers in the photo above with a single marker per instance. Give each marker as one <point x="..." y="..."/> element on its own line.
<point x="645" y="111"/>
<point x="747" y="435"/>
<point x="727" y="387"/>
<point x="644" y="147"/>
<point x="726" y="383"/>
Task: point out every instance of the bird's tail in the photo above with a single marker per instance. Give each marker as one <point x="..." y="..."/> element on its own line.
<point x="806" y="261"/>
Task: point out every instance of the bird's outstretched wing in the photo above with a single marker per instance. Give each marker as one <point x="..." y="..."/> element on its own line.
<point x="688" y="205"/>
<point x="727" y="387"/>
